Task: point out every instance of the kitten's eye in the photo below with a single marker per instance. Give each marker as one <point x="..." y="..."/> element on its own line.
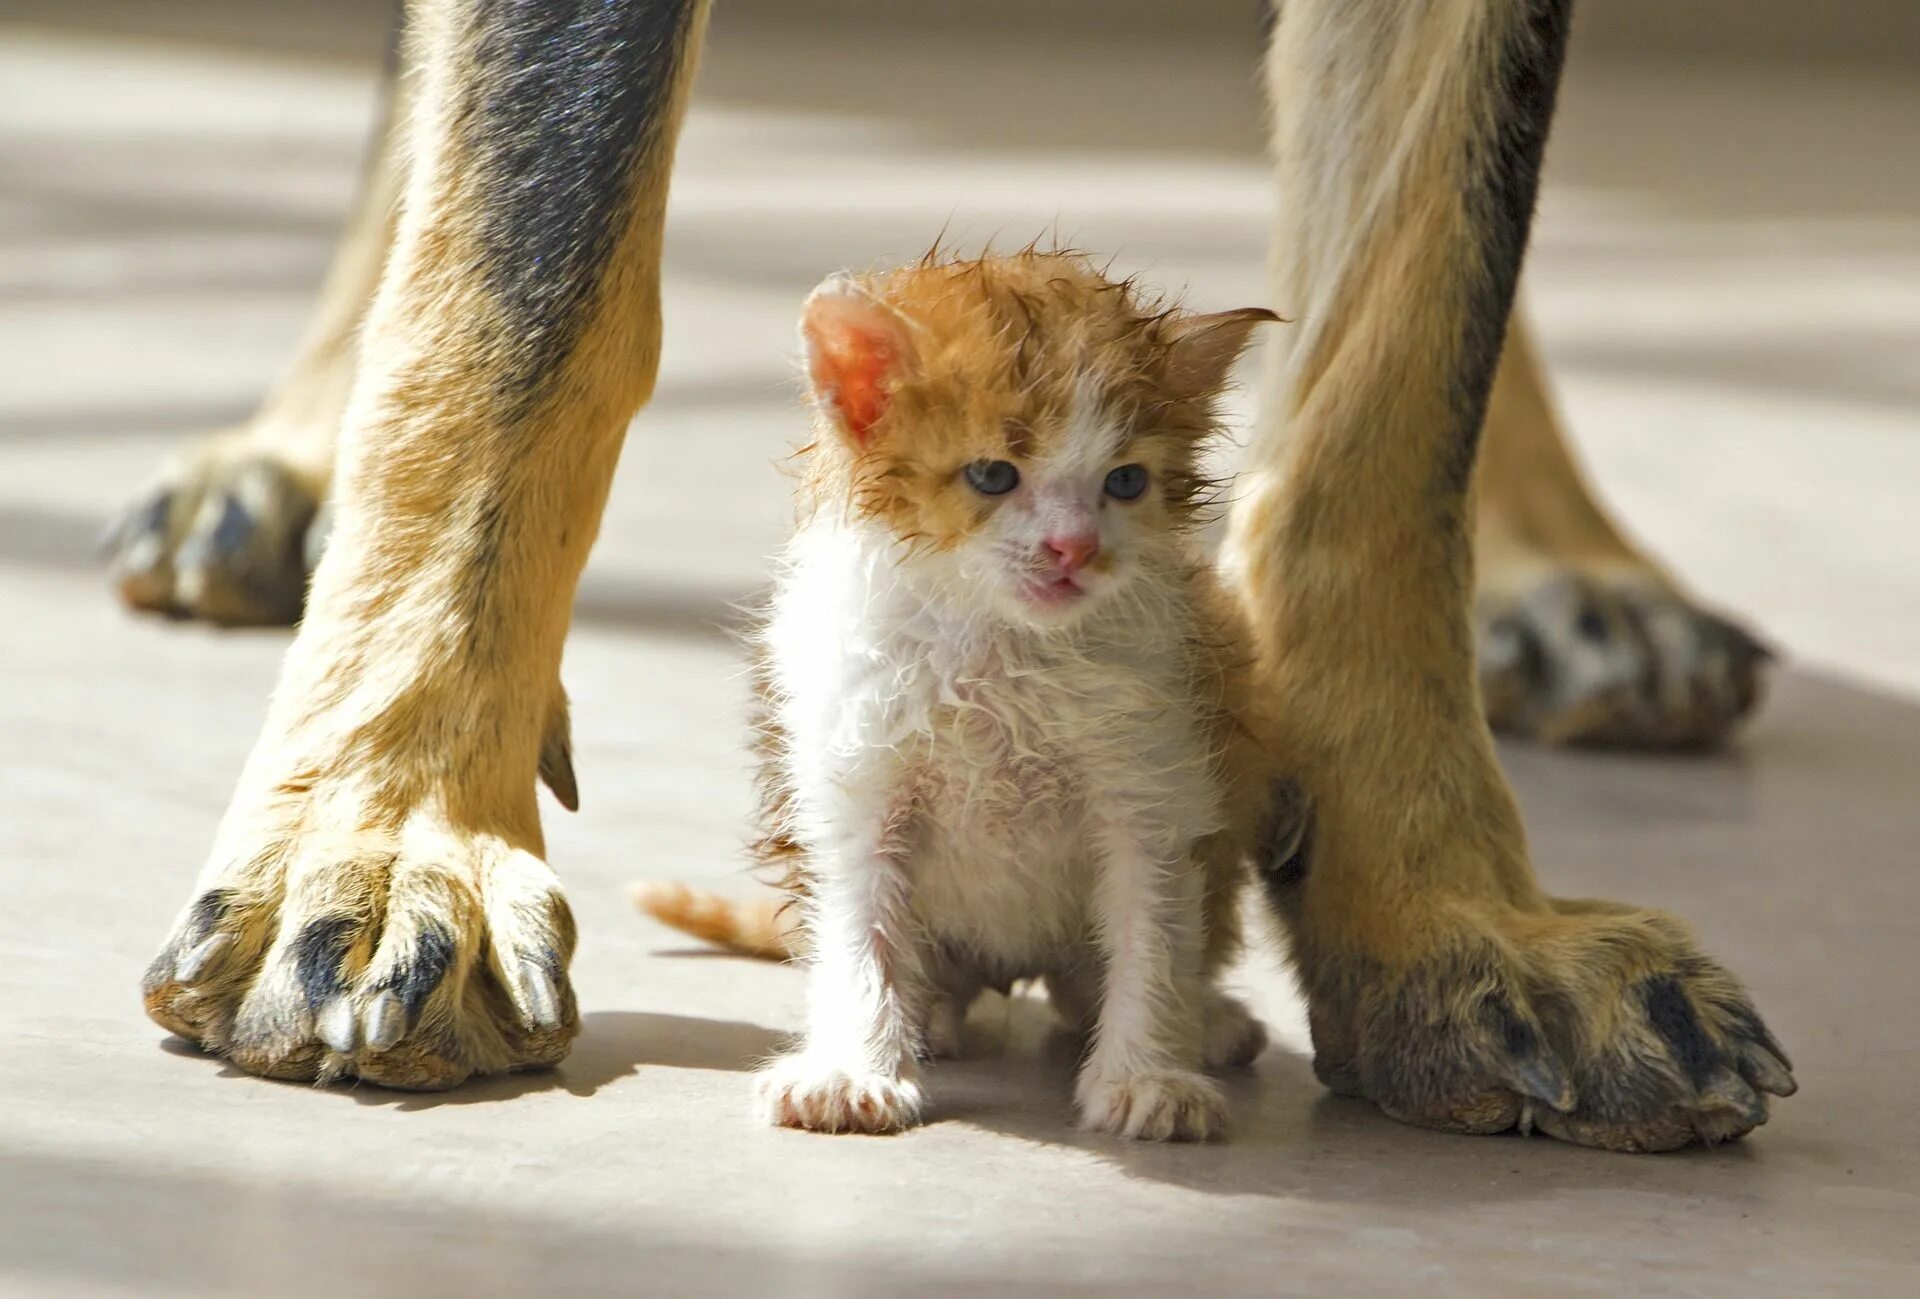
<point x="1127" y="482"/>
<point x="993" y="477"/>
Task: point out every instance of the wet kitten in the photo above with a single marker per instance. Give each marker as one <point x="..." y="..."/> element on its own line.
<point x="1006" y="736"/>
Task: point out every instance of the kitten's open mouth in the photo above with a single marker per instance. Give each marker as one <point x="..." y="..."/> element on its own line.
<point x="1052" y="590"/>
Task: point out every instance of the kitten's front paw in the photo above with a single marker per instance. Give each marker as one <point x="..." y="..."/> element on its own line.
<point x="1172" y="1105"/>
<point x="802" y="1092"/>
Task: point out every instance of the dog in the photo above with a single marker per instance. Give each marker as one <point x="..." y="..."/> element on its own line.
<point x="1416" y="549"/>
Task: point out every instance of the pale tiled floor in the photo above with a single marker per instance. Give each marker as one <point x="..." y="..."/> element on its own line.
<point x="1728" y="278"/>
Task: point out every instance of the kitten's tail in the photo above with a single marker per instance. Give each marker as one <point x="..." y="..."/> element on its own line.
<point x="763" y="929"/>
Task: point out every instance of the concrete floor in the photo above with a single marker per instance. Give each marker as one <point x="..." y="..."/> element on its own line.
<point x="1728" y="277"/>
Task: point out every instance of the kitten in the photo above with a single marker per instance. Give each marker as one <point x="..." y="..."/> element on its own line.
<point x="1005" y="718"/>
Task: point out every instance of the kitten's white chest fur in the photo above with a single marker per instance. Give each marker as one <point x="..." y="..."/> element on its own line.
<point x="988" y="760"/>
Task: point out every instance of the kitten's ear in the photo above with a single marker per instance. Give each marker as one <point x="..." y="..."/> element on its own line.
<point x="857" y="348"/>
<point x="1204" y="348"/>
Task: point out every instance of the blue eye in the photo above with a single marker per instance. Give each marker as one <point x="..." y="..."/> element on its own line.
<point x="1127" y="482"/>
<point x="992" y="477"/>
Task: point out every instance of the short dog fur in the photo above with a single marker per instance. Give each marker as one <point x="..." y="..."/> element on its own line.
<point x="377" y="903"/>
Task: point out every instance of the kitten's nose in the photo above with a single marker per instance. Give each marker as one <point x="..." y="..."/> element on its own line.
<point x="1073" y="551"/>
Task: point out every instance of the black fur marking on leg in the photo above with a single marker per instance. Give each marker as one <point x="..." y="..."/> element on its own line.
<point x="152" y="517"/>
<point x="136" y="521"/>
<point x="1671" y="1013"/>
<point x="317" y="956"/>
<point x="1530" y="1066"/>
<point x="1516" y="1035"/>
<point x="1503" y="170"/>
<point x="202" y="919"/>
<point x="566" y="97"/>
<point x="209" y="909"/>
<point x="235" y="525"/>
<point x="1285" y="845"/>
<point x="1746" y="1022"/>
<point x="414" y="980"/>
<point x="566" y="935"/>
<point x="1590" y="625"/>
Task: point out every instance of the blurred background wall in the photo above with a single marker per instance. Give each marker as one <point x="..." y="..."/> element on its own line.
<point x="1872" y="32"/>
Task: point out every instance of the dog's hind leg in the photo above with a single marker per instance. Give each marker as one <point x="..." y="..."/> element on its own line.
<point x="376" y="903"/>
<point x="1582" y="637"/>
<point x="1441" y="982"/>
<point x="227" y="529"/>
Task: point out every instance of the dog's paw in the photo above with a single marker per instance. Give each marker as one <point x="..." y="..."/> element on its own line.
<point x="224" y="535"/>
<point x="1573" y="658"/>
<point x="1598" y="1024"/>
<point x="800" y="1091"/>
<point x="1162" y="1105"/>
<point x="412" y="966"/>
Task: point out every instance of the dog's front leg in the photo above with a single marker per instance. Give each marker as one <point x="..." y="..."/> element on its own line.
<point x="1442" y="983"/>
<point x="377" y="903"/>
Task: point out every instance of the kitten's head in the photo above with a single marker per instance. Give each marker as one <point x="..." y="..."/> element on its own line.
<point x="1030" y="428"/>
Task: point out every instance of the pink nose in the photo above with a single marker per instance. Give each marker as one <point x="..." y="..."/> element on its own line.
<point x="1073" y="552"/>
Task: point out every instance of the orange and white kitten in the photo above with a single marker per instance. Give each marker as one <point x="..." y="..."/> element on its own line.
<point x="1006" y="728"/>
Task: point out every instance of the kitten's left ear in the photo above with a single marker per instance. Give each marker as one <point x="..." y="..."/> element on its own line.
<point x="1204" y="348"/>
<point x="857" y="348"/>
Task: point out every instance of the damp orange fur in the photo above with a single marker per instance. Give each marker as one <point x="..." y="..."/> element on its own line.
<point x="1001" y="348"/>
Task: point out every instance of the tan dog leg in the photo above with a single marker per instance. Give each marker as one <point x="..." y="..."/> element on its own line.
<point x="1582" y="637"/>
<point x="376" y="903"/>
<point x="227" y="530"/>
<point x="1441" y="983"/>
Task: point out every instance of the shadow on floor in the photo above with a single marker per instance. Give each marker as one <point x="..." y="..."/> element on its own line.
<point x="613" y="1044"/>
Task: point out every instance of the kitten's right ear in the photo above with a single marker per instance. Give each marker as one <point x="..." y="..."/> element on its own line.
<point x="857" y="348"/>
<point x="1205" y="348"/>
